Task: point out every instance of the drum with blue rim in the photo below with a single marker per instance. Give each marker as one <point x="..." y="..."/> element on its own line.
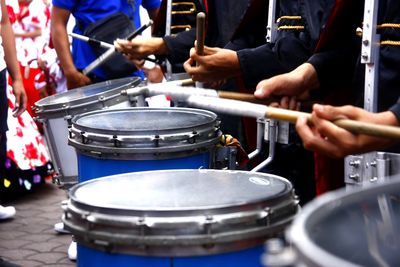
<point x="191" y="218"/>
<point x="139" y="139"/>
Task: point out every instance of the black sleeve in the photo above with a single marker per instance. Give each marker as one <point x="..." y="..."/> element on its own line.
<point x="179" y="45"/>
<point x="258" y="63"/>
<point x="334" y="67"/>
<point x="396" y="109"/>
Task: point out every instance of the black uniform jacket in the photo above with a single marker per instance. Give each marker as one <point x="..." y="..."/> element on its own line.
<point x="223" y="17"/>
<point x="339" y="51"/>
<point x="294" y="45"/>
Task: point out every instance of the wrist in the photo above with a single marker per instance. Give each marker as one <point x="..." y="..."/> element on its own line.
<point x="68" y="72"/>
<point x="308" y="75"/>
<point x="159" y="47"/>
<point x="388" y="118"/>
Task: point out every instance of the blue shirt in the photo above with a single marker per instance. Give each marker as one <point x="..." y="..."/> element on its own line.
<point x="89" y="11"/>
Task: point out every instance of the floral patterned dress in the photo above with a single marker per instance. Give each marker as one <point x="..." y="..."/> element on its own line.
<point x="28" y="162"/>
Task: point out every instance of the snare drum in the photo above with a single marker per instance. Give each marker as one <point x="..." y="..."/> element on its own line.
<point x="350" y="228"/>
<point x="56" y="112"/>
<point x="178" y="217"/>
<point x="139" y="139"/>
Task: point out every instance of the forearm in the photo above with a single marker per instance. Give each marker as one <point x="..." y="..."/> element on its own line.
<point x="61" y="42"/>
<point x="10" y="51"/>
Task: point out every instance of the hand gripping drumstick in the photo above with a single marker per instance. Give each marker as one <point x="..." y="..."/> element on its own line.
<point x="102" y="44"/>
<point x="110" y="52"/>
<point x="219" y="101"/>
<point x="240" y="108"/>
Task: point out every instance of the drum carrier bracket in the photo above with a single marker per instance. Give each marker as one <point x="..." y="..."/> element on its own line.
<point x="370" y="168"/>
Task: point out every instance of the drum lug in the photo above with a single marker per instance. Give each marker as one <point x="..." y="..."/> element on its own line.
<point x="192" y="137"/>
<point x="116" y="141"/>
<point x="68" y="118"/>
<point x="209" y="221"/>
<point x="156" y="140"/>
<point x="265" y="216"/>
<point x="84" y="137"/>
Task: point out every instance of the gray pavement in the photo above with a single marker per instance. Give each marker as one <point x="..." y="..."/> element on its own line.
<point x="29" y="239"/>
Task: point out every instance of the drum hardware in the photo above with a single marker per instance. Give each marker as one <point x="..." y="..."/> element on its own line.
<point x="225" y="158"/>
<point x="271" y="24"/>
<point x="272" y="133"/>
<point x="367" y="171"/>
<point x="377" y="167"/>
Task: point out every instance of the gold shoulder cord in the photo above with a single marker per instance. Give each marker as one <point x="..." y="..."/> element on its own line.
<point x="290" y="27"/>
<point x="393" y="26"/>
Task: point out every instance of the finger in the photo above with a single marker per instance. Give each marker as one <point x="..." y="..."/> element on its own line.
<point x="269" y="87"/>
<point x="117" y="46"/>
<point x="335" y="134"/>
<point x="187" y="65"/>
<point x="261" y="89"/>
<point x="210" y="50"/>
<point x="333" y="113"/>
<point x="274" y="105"/>
<point x="313" y="141"/>
<point x="20" y="106"/>
<point x="293" y="103"/>
<point x="298" y="106"/>
<point x="284" y="102"/>
<point x="192" y="52"/>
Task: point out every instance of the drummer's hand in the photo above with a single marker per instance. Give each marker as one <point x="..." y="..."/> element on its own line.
<point x="141" y="47"/>
<point x="215" y="65"/>
<point x="327" y="138"/>
<point x="21" y="99"/>
<point x="76" y="79"/>
<point x="287" y="102"/>
<point x="295" y="83"/>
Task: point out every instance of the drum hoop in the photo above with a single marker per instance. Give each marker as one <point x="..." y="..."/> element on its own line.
<point x="88" y="139"/>
<point x="79" y="127"/>
<point x="219" y="226"/>
<point x="311" y="253"/>
<point x="184" y="245"/>
<point x="74" y="107"/>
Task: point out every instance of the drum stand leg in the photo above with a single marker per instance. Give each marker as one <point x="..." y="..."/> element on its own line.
<point x="272" y="134"/>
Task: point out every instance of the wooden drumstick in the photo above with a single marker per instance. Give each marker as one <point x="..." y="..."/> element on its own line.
<point x="200" y="32"/>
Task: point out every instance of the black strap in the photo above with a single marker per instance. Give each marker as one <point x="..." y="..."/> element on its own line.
<point x="79" y="24"/>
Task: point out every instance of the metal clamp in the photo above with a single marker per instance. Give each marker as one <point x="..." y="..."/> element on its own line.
<point x="368" y="168"/>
